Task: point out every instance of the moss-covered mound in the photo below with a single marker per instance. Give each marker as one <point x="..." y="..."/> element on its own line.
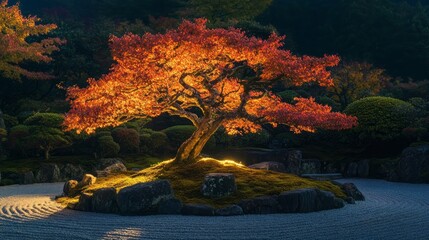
<point x="186" y="181"/>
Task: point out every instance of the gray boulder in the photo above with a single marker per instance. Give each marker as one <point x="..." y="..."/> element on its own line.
<point x="260" y="205"/>
<point x="413" y="165"/>
<point x="104" y="201"/>
<point x="48" y="172"/>
<point x="308" y="200"/>
<point x="70" y="171"/>
<point x="363" y="168"/>
<point x="171" y="206"/>
<point x="26" y="178"/>
<point x="351" y="170"/>
<point x="87" y="180"/>
<point x="272" y="166"/>
<point x="198" y="210"/>
<point x="143" y="198"/>
<point x="293" y="162"/>
<point x="85" y="203"/>
<point x="107" y="166"/>
<point x="310" y="166"/>
<point x="352" y="191"/>
<point x="298" y="201"/>
<point x="327" y="200"/>
<point x="69" y="188"/>
<point x="350" y="200"/>
<point x="217" y="185"/>
<point x="232" y="210"/>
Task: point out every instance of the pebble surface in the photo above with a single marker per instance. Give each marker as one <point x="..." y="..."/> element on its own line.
<point x="391" y="211"/>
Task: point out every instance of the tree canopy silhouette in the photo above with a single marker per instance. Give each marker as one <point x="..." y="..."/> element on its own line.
<point x="213" y="77"/>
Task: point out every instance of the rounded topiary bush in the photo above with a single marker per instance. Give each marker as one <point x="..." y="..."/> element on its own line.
<point x="258" y="139"/>
<point x="180" y="133"/>
<point x="153" y="142"/>
<point x="127" y="138"/>
<point x="15" y="138"/>
<point x="107" y="147"/>
<point x="288" y="95"/>
<point x="52" y="120"/>
<point x="381" y="118"/>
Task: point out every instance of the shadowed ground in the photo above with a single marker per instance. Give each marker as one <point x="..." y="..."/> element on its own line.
<point x="391" y="211"/>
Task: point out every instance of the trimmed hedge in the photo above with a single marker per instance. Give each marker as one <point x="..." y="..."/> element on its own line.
<point x="127" y="138"/>
<point x="381" y="118"/>
<point x="180" y="133"/>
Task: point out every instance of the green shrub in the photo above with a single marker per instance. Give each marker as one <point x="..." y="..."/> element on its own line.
<point x="15" y="139"/>
<point x="381" y="118"/>
<point x="107" y="147"/>
<point x="259" y="139"/>
<point x="180" y="133"/>
<point x="45" y="132"/>
<point x="137" y="124"/>
<point x="288" y="95"/>
<point x="3" y="134"/>
<point x="330" y="102"/>
<point x="53" y="120"/>
<point x="127" y="138"/>
<point x="103" y="133"/>
<point x="10" y="121"/>
<point x="159" y="141"/>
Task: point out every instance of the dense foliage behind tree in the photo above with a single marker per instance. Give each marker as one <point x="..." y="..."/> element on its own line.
<point x="390" y="34"/>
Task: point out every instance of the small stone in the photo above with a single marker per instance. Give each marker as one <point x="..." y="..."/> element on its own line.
<point x="217" y="185"/>
<point x="271" y="166"/>
<point x="352" y="191"/>
<point x="69" y="187"/>
<point x="232" y="210"/>
<point x="87" y="180"/>
<point x="198" y="210"/>
<point x="350" y="200"/>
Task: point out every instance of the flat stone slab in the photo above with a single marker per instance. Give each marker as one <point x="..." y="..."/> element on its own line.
<point x="328" y="176"/>
<point x="271" y="166"/>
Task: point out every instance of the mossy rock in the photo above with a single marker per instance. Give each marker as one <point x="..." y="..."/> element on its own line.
<point x="187" y="180"/>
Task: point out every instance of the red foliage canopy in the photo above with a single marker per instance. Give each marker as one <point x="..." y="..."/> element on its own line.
<point x="222" y="72"/>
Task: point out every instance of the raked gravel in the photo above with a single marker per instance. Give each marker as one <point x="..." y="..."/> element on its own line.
<point x="391" y="211"/>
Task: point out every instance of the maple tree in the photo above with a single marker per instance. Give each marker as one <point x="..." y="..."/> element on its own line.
<point x="356" y="80"/>
<point x="213" y="77"/>
<point x="15" y="48"/>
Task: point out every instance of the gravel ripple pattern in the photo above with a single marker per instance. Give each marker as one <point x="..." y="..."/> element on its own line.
<point x="391" y="211"/>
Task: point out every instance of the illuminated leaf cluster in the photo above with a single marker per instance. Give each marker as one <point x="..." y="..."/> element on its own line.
<point x="15" y="29"/>
<point x="204" y="74"/>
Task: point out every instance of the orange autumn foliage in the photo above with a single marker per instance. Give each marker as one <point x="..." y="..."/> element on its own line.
<point x="15" y="29"/>
<point x="221" y="72"/>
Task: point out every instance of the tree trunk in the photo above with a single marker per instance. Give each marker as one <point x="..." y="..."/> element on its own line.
<point x="2" y="125"/>
<point x="190" y="150"/>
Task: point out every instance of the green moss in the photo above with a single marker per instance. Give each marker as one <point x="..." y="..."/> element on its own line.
<point x="186" y="181"/>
